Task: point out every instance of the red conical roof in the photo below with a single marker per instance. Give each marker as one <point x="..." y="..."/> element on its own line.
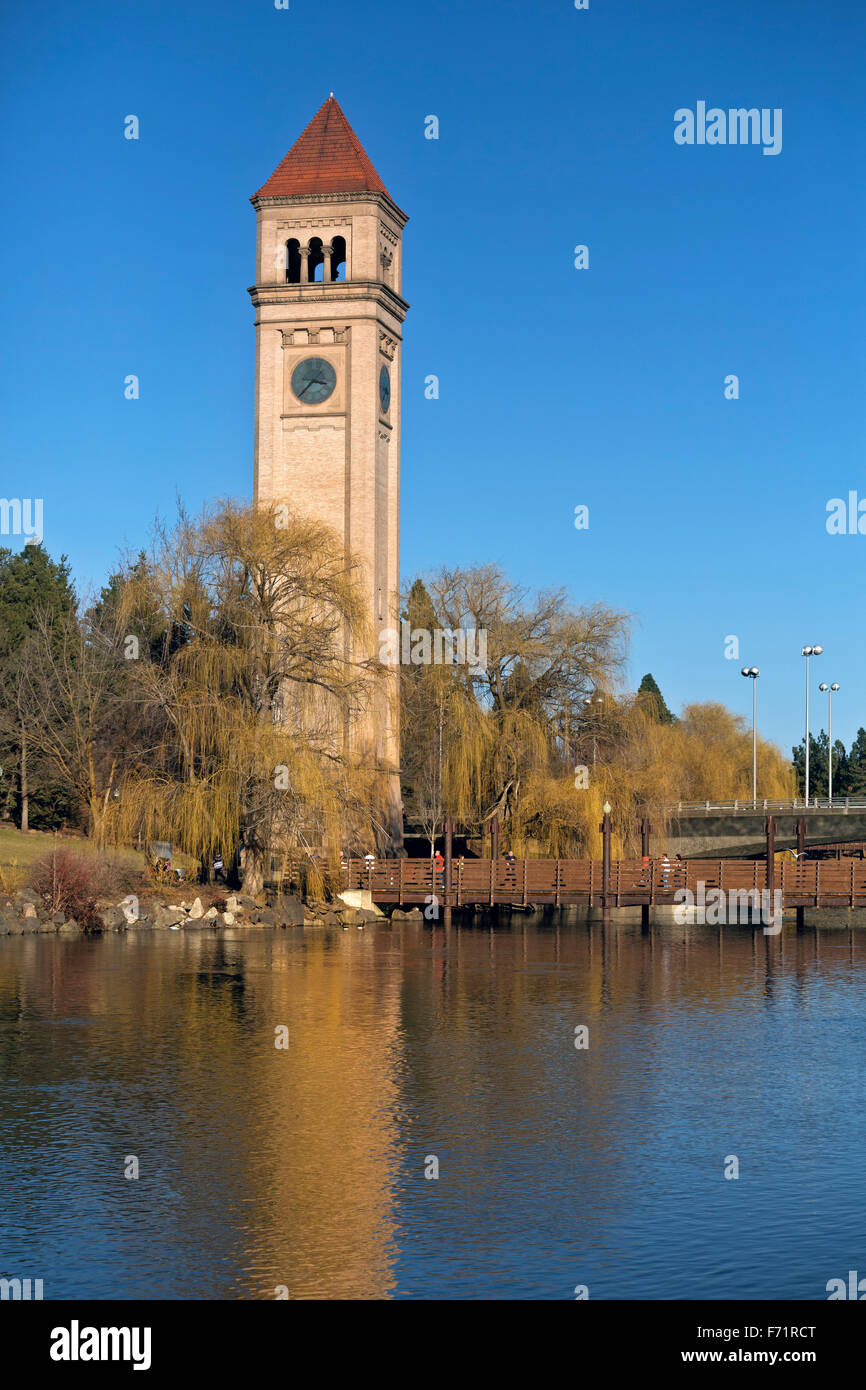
<point x="327" y="158"/>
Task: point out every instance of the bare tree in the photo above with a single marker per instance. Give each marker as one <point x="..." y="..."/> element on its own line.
<point x="70" y="703"/>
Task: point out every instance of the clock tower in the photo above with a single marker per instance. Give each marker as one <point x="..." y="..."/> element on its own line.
<point x="329" y="315"/>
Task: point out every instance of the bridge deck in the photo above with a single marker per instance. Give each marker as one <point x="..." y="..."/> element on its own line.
<point x="578" y="882"/>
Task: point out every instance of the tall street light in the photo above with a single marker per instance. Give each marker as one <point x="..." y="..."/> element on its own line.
<point x="753" y="673"/>
<point x="807" y="652"/>
<point x="588" y="702"/>
<point x="831" y="691"/>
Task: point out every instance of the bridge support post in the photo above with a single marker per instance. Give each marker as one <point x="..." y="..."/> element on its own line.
<point x="801" y="845"/>
<point x="645" y="832"/>
<point x="449" y="830"/>
<point x="605" y="867"/>
<point x="770" y="828"/>
<point x="494" y="838"/>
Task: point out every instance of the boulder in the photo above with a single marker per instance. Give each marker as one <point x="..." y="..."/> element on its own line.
<point x="112" y="918"/>
<point x="59" y="918"/>
<point x="352" y="917"/>
<point x="14" y="926"/>
<point x="169" y="917"/>
<point x="196" y="911"/>
<point x="290" y="912"/>
<point x="28" y="910"/>
<point x="232" y="904"/>
<point x="228" y="919"/>
<point x="211" y="915"/>
<point x="266" y="917"/>
<point x="362" y="899"/>
<point x="70" y="928"/>
<point x="413" y="915"/>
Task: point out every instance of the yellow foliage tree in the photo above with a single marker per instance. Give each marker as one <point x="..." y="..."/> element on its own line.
<point x="252" y="689"/>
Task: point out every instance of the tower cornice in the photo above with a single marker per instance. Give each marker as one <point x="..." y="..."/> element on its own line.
<point x="335" y="292"/>
<point x="294" y="200"/>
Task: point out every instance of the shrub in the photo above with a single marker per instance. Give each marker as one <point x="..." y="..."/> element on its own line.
<point x="11" y="877"/>
<point x="117" y="875"/>
<point x="68" y="882"/>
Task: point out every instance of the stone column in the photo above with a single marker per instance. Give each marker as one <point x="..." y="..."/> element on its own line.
<point x="327" y="252"/>
<point x="305" y="265"/>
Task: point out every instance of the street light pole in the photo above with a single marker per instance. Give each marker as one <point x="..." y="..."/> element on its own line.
<point x="593" y="700"/>
<point x="831" y="690"/>
<point x="753" y="673"/>
<point x="807" y="652"/>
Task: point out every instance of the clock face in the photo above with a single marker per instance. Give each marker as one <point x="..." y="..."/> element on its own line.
<point x="385" y="389"/>
<point x="313" y="380"/>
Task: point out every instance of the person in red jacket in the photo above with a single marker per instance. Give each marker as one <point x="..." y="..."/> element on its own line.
<point x="438" y="869"/>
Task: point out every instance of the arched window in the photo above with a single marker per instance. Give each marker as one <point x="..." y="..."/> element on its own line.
<point x="317" y="260"/>
<point x="338" y="258"/>
<point x="293" y="261"/>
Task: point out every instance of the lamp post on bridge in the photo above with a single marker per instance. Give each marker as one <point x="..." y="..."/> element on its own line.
<point x="831" y="691"/>
<point x="753" y="673"/>
<point x="605" y="829"/>
<point x="807" y="652"/>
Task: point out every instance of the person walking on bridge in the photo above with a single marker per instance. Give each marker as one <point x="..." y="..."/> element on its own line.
<point x="438" y="870"/>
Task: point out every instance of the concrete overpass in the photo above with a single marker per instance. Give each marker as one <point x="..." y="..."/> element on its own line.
<point x="736" y="830"/>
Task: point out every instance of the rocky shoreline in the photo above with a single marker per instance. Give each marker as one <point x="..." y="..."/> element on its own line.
<point x="22" y="916"/>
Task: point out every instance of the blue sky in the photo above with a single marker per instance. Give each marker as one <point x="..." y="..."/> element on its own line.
<point x="559" y="387"/>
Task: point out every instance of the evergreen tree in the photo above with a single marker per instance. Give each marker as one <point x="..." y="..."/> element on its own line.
<point x="856" y="778"/>
<point x="845" y="766"/>
<point x="31" y="583"/>
<point x="648" y="690"/>
<point x="841" y="771"/>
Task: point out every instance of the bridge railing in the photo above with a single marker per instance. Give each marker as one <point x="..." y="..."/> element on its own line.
<point x="558" y="882"/>
<point x="769" y="805"/>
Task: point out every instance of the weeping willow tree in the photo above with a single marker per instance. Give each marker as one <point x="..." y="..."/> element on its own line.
<point x="538" y="735"/>
<point x="644" y="765"/>
<point x="497" y="725"/>
<point x="251" y="690"/>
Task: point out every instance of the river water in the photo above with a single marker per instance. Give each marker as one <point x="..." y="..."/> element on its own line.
<point x="303" y="1168"/>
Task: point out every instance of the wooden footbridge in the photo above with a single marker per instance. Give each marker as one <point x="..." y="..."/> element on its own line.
<point x="604" y="883"/>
